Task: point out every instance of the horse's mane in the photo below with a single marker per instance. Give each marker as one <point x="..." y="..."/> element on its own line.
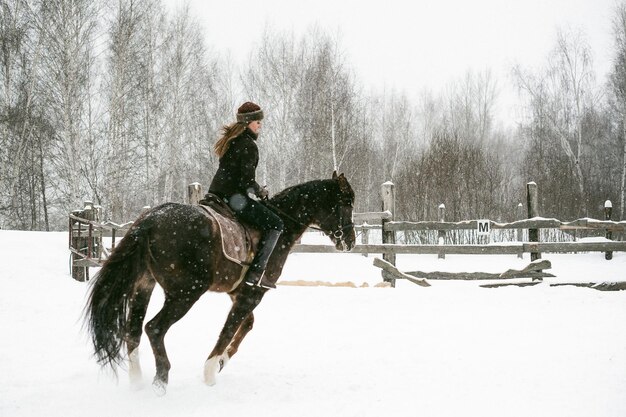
<point x="310" y="189"/>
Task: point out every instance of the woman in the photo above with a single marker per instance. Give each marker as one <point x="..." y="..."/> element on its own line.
<point x="235" y="183"/>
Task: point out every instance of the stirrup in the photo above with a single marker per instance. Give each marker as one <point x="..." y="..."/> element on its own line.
<point x="261" y="281"/>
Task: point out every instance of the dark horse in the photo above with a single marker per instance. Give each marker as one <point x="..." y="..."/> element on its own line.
<point x="179" y="247"/>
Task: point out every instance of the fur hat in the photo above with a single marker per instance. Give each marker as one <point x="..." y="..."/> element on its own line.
<point x="249" y="112"/>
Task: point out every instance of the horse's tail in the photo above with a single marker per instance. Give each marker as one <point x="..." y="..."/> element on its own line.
<point x="106" y="312"/>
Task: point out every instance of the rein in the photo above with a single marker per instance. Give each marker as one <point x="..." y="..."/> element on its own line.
<point x="337" y="233"/>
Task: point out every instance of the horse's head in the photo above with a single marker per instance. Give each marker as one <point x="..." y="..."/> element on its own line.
<point x="337" y="223"/>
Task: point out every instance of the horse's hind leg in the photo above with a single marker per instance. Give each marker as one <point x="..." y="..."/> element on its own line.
<point x="238" y="324"/>
<point x="138" y="306"/>
<point x="173" y="310"/>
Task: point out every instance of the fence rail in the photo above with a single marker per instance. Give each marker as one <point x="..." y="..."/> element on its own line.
<point x="490" y="249"/>
<point x="534" y="223"/>
<point x="86" y="235"/>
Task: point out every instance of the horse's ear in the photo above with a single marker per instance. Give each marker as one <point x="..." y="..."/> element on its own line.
<point x="334" y="175"/>
<point x="343" y="183"/>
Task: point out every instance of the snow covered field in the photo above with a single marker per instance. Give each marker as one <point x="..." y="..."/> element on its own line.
<point x="453" y="349"/>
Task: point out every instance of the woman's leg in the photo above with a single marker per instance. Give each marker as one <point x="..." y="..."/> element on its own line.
<point x="271" y="226"/>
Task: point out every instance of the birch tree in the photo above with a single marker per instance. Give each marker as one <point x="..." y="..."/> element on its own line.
<point x="471" y="101"/>
<point x="273" y="79"/>
<point x="566" y="92"/>
<point x="68" y="29"/>
<point x="617" y="83"/>
<point x="134" y="105"/>
<point x="395" y="131"/>
<point x="326" y="103"/>
<point x="24" y="127"/>
<point x="192" y="109"/>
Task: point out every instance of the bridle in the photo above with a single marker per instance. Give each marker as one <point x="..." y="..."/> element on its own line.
<point x="338" y="233"/>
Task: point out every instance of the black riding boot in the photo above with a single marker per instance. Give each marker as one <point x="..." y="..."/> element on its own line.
<point x="256" y="272"/>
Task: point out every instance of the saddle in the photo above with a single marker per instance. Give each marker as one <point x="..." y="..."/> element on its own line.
<point x="237" y="242"/>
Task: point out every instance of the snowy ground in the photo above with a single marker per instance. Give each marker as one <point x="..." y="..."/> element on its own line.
<point x="453" y="349"/>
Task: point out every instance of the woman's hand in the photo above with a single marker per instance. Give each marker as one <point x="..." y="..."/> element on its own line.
<point x="261" y="194"/>
<point x="264" y="193"/>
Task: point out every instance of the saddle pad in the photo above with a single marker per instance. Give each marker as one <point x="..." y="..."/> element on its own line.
<point x="218" y="205"/>
<point x="235" y="241"/>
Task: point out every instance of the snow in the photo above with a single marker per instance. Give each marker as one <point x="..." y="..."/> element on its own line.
<point x="453" y="349"/>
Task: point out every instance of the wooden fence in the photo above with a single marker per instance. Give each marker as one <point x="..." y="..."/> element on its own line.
<point x="86" y="243"/>
<point x="385" y="222"/>
<point x="389" y="227"/>
<point x="87" y="249"/>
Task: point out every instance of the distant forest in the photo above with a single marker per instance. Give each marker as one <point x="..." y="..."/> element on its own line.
<point x="120" y="103"/>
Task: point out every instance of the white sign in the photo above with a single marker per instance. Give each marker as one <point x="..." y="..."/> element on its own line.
<point x="483" y="228"/>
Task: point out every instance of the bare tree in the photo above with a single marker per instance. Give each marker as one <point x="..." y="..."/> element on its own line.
<point x="68" y="30"/>
<point x="133" y="105"/>
<point x="470" y="105"/>
<point x="617" y="83"/>
<point x="273" y="78"/>
<point x="394" y="131"/>
<point x="24" y="129"/>
<point x="192" y="107"/>
<point x="312" y="106"/>
<point x="459" y="160"/>
<point x="566" y="93"/>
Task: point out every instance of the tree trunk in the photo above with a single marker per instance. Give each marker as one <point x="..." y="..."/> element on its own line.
<point x="623" y="183"/>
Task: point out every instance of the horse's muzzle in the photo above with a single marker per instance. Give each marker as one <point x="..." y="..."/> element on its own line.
<point x="344" y="244"/>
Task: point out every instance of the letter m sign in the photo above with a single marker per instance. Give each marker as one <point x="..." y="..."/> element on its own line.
<point x="483" y="227"/>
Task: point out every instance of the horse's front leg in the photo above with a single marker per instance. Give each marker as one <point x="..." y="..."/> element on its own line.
<point x="243" y="330"/>
<point x="238" y="323"/>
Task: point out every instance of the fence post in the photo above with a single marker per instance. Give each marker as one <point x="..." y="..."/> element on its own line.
<point x="533" y="211"/>
<point x="520" y="232"/>
<point x="389" y="204"/>
<point x="97" y="209"/>
<point x="194" y="193"/>
<point x="83" y="241"/>
<point x="608" y="208"/>
<point x="76" y="242"/>
<point x="441" y="234"/>
<point x="365" y="231"/>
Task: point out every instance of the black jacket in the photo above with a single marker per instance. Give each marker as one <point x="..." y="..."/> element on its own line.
<point x="237" y="170"/>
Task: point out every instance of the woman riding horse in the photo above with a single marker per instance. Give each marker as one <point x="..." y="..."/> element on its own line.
<point x="235" y="183"/>
<point x="179" y="247"/>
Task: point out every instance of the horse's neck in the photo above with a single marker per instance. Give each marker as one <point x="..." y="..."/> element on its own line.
<point x="301" y="205"/>
<point x="296" y="223"/>
<point x="299" y="213"/>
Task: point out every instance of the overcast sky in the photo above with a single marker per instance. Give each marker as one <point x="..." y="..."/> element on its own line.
<point x="412" y="45"/>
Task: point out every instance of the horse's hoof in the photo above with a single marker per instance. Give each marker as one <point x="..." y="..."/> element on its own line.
<point x="159" y="387"/>
<point x="137" y="385"/>
<point x="211" y="367"/>
<point x="134" y="369"/>
<point x="136" y="380"/>
<point x="209" y="378"/>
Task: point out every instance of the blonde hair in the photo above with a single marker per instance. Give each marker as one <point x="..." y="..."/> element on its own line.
<point x="229" y="132"/>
